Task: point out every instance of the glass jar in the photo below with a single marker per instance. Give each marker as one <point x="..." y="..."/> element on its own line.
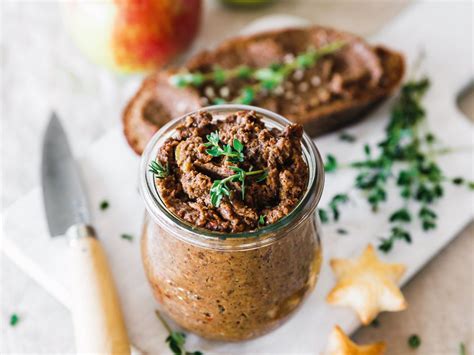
<point x="231" y="286"/>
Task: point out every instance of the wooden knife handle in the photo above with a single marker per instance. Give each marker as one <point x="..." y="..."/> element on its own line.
<point x="98" y="322"/>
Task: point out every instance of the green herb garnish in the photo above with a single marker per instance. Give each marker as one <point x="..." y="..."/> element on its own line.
<point x="234" y="152"/>
<point x="14" y="319"/>
<point x="159" y="170"/>
<point x="127" y="237"/>
<point x="219" y="188"/>
<point x="323" y="215"/>
<point x="104" y="205"/>
<point x="176" y="340"/>
<point x="405" y="156"/>
<point x="331" y="163"/>
<point x="414" y="341"/>
<point x="462" y="349"/>
<point x="261" y="220"/>
<point x="344" y="136"/>
<point x="341" y="231"/>
<point x="334" y="204"/>
<point x="261" y="79"/>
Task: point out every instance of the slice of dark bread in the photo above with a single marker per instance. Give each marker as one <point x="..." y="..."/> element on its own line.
<point x="338" y="90"/>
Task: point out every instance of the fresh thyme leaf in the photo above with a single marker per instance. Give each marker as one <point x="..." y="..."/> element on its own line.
<point x="262" y="79"/>
<point x="402" y="215"/>
<point x="234" y="154"/>
<point x="218" y="101"/>
<point x="323" y="215"/>
<point x="238" y="146"/>
<point x="344" y="136"/>
<point x="397" y="233"/>
<point x="414" y="341"/>
<point x="427" y="217"/>
<point x="219" y="76"/>
<point x="127" y="237"/>
<point x="430" y="138"/>
<point x="104" y="205"/>
<point x="331" y="163"/>
<point x="175" y="339"/>
<point x="247" y="96"/>
<point x="219" y="188"/>
<point x="404" y="155"/>
<point x="261" y="220"/>
<point x="14" y="319"/>
<point x="159" y="170"/>
<point x="334" y="204"/>
<point x="367" y="150"/>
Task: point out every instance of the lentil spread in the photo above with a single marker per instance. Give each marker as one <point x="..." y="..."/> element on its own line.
<point x="242" y="287"/>
<point x="192" y="171"/>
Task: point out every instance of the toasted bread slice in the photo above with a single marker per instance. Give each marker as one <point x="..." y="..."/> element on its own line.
<point x="337" y="91"/>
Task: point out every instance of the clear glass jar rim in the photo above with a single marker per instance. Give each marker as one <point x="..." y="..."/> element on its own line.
<point x="159" y="212"/>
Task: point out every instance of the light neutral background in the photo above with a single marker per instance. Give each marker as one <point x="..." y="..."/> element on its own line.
<point x="40" y="67"/>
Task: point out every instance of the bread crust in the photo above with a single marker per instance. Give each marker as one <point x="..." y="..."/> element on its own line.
<point x="379" y="72"/>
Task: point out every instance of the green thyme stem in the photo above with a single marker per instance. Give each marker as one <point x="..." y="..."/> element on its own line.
<point x="267" y="78"/>
<point x="163" y="321"/>
<point x="246" y="173"/>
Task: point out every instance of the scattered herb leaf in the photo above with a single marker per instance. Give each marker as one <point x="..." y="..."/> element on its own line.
<point x="261" y="220"/>
<point x="414" y="341"/>
<point x="462" y="349"/>
<point x="331" y="163"/>
<point x="323" y="215"/>
<point x="344" y="136"/>
<point x="397" y="233"/>
<point x="341" y="231"/>
<point x="405" y="155"/>
<point x="104" y="205"/>
<point x="127" y="237"/>
<point x="176" y="340"/>
<point x="14" y="319"/>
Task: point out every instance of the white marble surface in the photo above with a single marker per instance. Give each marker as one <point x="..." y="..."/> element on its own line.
<point x="40" y="70"/>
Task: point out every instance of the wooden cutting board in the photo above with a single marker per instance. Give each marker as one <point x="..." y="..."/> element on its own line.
<point x="110" y="169"/>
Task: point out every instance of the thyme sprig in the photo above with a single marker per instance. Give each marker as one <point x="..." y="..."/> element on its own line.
<point x="406" y="156"/>
<point x="160" y="171"/>
<point x="261" y="79"/>
<point x="219" y="188"/>
<point x="234" y="152"/>
<point x="176" y="340"/>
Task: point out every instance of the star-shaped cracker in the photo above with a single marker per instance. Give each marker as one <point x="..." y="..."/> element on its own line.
<point x="340" y="344"/>
<point x="368" y="285"/>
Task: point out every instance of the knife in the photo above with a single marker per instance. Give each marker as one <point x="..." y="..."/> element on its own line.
<point x="98" y="322"/>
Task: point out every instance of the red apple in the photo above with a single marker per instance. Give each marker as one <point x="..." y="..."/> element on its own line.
<point x="133" y="35"/>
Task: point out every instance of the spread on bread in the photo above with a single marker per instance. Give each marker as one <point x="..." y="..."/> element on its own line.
<point x="341" y="85"/>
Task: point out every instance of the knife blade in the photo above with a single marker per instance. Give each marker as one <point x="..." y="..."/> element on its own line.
<point x="64" y="195"/>
<point x="98" y="321"/>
